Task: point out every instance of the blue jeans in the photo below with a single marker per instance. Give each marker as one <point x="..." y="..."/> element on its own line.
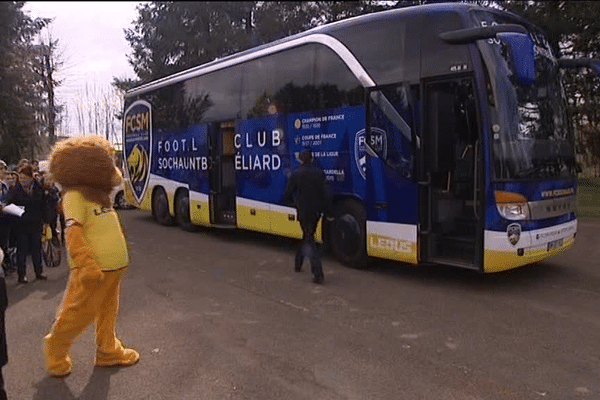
<point x="308" y="249"/>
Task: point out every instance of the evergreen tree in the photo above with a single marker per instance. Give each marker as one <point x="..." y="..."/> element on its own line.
<point x="169" y="37"/>
<point x="20" y="87"/>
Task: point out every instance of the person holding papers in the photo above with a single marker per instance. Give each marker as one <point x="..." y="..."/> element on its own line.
<point x="29" y="194"/>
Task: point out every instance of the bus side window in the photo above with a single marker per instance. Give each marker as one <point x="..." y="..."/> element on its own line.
<point x="336" y="85"/>
<point x="279" y="83"/>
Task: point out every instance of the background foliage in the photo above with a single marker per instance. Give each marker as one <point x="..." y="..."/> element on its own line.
<point x="27" y="108"/>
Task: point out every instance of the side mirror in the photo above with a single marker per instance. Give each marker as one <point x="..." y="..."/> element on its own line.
<point x="521" y="56"/>
<point x="517" y="39"/>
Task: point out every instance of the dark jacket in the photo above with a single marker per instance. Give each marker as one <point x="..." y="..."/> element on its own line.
<point x="3" y="306"/>
<point x="4" y="189"/>
<point x="307" y="189"/>
<point x="35" y="204"/>
<point x="52" y="199"/>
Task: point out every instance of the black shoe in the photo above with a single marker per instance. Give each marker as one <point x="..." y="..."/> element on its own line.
<point x="41" y="277"/>
<point x="318" y="278"/>
<point x="23" y="279"/>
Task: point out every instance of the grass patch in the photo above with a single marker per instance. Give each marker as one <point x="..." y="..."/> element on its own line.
<point x="588" y="201"/>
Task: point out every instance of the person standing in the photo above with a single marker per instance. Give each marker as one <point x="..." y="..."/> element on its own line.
<point x="307" y="189"/>
<point x="29" y="194"/>
<point x="52" y="199"/>
<point x="3" y="182"/>
<point x="6" y="220"/>
<point x="11" y="179"/>
<point x="3" y="349"/>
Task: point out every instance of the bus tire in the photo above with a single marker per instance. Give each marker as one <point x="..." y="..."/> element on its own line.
<point x="182" y="211"/>
<point x="348" y="234"/>
<point x="160" y="208"/>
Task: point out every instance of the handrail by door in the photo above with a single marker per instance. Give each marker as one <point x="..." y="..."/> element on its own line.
<point x="475" y="179"/>
<point x="427" y="184"/>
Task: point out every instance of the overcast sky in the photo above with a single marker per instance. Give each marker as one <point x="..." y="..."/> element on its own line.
<point x="92" y="42"/>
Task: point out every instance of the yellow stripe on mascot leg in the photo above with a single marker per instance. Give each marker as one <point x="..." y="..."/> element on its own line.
<point x="97" y="253"/>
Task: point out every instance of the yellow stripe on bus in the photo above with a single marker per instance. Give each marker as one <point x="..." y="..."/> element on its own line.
<point x="199" y="212"/>
<point x="496" y="261"/>
<point x="392" y="248"/>
<point x="272" y="221"/>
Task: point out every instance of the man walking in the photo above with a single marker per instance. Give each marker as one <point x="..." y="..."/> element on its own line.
<point x="307" y="189"/>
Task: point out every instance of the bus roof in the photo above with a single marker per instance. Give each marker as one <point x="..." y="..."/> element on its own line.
<point x="350" y="23"/>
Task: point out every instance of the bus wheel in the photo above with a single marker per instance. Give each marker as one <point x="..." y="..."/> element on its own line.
<point x="160" y="208"/>
<point x="348" y="234"/>
<point x="182" y="212"/>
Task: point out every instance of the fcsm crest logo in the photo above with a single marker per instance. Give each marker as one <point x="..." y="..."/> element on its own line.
<point x="137" y="132"/>
<point x="376" y="141"/>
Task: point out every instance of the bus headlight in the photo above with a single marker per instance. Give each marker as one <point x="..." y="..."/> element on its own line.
<point x="512" y="206"/>
<point x="514" y="212"/>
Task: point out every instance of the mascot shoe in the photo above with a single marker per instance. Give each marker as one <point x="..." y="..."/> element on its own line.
<point x="59" y="366"/>
<point x="122" y="357"/>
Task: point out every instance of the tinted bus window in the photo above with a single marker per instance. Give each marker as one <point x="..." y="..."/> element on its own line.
<point x="336" y="85"/>
<point x="215" y="96"/>
<point x="388" y="50"/>
<point x="438" y="57"/>
<point x="278" y="83"/>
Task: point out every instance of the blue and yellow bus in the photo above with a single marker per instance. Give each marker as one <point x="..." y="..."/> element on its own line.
<point x="442" y="130"/>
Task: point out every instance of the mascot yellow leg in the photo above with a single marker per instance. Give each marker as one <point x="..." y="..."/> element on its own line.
<point x="81" y="306"/>
<point x="110" y="351"/>
<point x="74" y="316"/>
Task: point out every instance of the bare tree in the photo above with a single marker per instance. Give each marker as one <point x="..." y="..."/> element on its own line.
<point x="97" y="111"/>
<point x="47" y="61"/>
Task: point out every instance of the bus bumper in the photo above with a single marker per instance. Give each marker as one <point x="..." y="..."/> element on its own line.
<point x="533" y="246"/>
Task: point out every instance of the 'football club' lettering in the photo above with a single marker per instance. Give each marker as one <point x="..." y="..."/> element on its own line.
<point x="257" y="140"/>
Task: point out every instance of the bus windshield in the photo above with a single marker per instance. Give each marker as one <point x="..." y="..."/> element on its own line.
<point x="531" y="136"/>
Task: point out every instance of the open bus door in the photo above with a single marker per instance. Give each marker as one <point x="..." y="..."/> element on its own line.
<point x="451" y="208"/>
<point x="391" y="194"/>
<point x="221" y="150"/>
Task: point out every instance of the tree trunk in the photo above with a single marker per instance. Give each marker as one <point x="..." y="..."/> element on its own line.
<point x="51" y="109"/>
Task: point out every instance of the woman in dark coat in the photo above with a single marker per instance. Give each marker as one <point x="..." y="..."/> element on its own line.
<point x="30" y="194"/>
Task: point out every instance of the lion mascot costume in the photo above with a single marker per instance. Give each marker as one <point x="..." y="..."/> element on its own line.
<point x="97" y="251"/>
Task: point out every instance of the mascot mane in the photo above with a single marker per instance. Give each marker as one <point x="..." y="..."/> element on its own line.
<point x="85" y="164"/>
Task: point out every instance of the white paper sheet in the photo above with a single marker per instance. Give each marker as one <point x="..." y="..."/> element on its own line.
<point x="14" y="210"/>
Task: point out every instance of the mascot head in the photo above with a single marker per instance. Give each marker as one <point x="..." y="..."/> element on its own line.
<point x="85" y="163"/>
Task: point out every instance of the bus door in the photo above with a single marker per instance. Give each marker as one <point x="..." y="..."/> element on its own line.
<point x="221" y="151"/>
<point x="391" y="191"/>
<point x="451" y="211"/>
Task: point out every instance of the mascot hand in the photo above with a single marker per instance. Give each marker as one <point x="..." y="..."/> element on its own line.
<point x="82" y="256"/>
<point x="90" y="277"/>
